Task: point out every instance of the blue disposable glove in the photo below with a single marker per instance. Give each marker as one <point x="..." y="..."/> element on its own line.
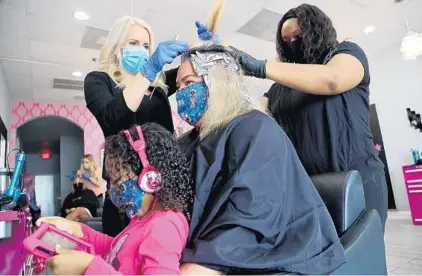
<point x="204" y="34"/>
<point x="165" y="53"/>
<point x="86" y="176"/>
<point x="72" y="176"/>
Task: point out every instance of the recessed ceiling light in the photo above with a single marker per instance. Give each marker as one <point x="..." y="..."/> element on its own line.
<point x="77" y="74"/>
<point x="80" y="15"/>
<point x="369" y="29"/>
<point x="101" y="40"/>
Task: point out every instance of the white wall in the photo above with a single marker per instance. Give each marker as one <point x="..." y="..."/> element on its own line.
<point x="45" y="192"/>
<point x="47" y="181"/>
<point x="396" y="84"/>
<point x="4" y="100"/>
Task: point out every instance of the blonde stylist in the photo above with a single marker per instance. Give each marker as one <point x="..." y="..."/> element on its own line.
<point x="129" y="69"/>
<point x="90" y="175"/>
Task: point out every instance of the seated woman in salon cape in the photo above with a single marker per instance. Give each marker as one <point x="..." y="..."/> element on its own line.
<point x="255" y="209"/>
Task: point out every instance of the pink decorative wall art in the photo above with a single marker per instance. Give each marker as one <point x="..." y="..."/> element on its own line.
<point x="25" y="111"/>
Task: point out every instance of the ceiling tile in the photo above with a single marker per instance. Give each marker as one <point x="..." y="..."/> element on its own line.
<point x="13" y="22"/>
<point x="19" y="85"/>
<point x="58" y="71"/>
<point x="42" y="82"/>
<point x="40" y="6"/>
<point x="14" y="47"/>
<point x="57" y="95"/>
<point x="61" y="54"/>
<point x="64" y="31"/>
<point x="15" y="4"/>
<point x="16" y="67"/>
<point x="262" y="25"/>
<point x="93" y="38"/>
<point x="235" y="14"/>
<point x="258" y="48"/>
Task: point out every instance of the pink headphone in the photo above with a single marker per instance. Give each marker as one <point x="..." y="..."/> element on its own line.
<point x="149" y="180"/>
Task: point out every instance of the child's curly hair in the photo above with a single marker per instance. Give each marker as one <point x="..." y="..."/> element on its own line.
<point x="163" y="153"/>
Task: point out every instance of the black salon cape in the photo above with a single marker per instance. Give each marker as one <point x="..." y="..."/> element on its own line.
<point x="255" y="208"/>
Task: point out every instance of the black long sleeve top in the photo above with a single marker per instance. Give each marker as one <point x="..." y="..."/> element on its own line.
<point x="106" y="102"/>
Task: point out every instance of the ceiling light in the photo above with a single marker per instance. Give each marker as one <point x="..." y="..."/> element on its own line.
<point x="80" y="15"/>
<point x="101" y="40"/>
<point x="411" y="45"/>
<point x="77" y="74"/>
<point x="369" y="29"/>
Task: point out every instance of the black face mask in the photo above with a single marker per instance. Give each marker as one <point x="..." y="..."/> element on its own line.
<point x="293" y="51"/>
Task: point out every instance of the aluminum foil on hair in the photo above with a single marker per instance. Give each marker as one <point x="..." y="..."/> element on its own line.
<point x="203" y="62"/>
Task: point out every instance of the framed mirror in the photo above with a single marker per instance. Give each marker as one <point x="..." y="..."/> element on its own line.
<point x="3" y="144"/>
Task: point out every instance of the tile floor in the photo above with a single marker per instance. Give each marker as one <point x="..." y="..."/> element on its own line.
<point x="403" y="242"/>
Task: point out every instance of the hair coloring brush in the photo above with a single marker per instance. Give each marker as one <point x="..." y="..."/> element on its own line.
<point x="161" y="73"/>
<point x="214" y="16"/>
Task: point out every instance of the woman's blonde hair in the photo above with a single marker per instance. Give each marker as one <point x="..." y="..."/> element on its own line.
<point x="228" y="96"/>
<point x="93" y="165"/>
<point x="111" y="52"/>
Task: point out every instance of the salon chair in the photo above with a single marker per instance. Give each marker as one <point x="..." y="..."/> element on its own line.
<point x="360" y="230"/>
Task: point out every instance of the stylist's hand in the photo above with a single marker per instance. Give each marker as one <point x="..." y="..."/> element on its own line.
<point x="165" y="53"/>
<point x="72" y="176"/>
<point x="86" y="176"/>
<point x="250" y="65"/>
<point x="72" y="227"/>
<point x="205" y="34"/>
<point x="69" y="262"/>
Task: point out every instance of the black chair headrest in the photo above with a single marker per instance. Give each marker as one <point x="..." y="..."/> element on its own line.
<point x="343" y="195"/>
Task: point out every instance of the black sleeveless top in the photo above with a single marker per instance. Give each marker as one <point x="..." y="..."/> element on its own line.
<point x="331" y="133"/>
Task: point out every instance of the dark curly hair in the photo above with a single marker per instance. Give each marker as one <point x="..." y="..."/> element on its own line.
<point x="319" y="36"/>
<point x="164" y="154"/>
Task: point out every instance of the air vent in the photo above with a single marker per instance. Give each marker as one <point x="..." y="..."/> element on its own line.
<point x="263" y="25"/>
<point x="79" y="98"/>
<point x="68" y="84"/>
<point x="94" y="38"/>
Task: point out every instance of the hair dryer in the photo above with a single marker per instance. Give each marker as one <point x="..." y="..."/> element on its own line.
<point x="14" y="190"/>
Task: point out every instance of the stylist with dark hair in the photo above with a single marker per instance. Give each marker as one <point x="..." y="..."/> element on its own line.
<point x="321" y="99"/>
<point x="119" y="94"/>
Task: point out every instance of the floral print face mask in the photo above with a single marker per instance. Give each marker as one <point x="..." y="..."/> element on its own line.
<point x="192" y="102"/>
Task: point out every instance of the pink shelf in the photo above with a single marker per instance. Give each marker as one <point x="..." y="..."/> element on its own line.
<point x="413" y="181"/>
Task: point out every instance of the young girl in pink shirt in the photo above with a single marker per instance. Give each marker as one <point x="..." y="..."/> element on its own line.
<point x="150" y="183"/>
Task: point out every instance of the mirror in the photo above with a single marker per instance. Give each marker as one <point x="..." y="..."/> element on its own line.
<point x="3" y="144"/>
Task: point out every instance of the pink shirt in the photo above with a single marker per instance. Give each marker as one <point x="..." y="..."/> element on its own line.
<point x="147" y="246"/>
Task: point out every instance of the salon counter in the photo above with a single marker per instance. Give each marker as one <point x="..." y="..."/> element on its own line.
<point x="12" y="231"/>
<point x="413" y="181"/>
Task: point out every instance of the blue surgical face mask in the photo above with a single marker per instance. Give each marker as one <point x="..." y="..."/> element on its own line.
<point x="133" y="58"/>
<point x="127" y="196"/>
<point x="192" y="102"/>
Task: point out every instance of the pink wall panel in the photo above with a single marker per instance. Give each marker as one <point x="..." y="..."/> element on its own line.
<point x="24" y="111"/>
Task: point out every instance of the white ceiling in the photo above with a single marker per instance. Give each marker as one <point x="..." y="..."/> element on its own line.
<point x="46" y="33"/>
